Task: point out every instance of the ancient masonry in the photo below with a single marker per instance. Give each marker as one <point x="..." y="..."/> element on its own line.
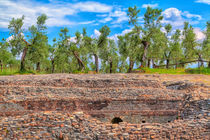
<point x="104" y="107"/>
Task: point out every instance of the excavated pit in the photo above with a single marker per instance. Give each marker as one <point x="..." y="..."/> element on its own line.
<point x="107" y="99"/>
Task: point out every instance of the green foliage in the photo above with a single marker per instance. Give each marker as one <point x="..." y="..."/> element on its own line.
<point x="151" y="35"/>
<point x="152" y="18"/>
<point x="168" y="28"/>
<point x="109" y="57"/>
<point x="102" y="41"/>
<point x="59" y="53"/>
<point x="16" y="31"/>
<point x="144" y="45"/>
<point x="5" y="56"/>
<point x="133" y="14"/>
<point x="189" y="42"/>
<point x="38" y="51"/>
<point x="176" y="48"/>
<point x="206" y="43"/>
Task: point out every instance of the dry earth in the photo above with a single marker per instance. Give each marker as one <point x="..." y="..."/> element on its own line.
<point x="105" y="106"/>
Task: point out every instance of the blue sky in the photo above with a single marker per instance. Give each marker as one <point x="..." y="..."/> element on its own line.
<point x="76" y="14"/>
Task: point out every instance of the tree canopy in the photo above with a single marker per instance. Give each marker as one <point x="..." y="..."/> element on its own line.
<point x="151" y="44"/>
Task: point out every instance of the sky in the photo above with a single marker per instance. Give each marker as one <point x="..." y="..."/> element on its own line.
<point x="92" y="15"/>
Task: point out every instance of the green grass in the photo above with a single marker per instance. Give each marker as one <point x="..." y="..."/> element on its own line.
<point x="8" y="72"/>
<point x="25" y="72"/>
<point x="198" y="71"/>
<point x="164" y="71"/>
<point x="143" y="70"/>
<point x="177" y="71"/>
<point x="17" y="72"/>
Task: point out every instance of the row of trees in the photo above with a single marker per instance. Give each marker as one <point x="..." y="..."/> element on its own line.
<point x="146" y="45"/>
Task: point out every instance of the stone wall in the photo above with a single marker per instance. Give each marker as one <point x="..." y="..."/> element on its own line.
<point x="65" y="106"/>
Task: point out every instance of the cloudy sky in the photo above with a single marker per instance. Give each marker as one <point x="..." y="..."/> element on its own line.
<point x="76" y="14"/>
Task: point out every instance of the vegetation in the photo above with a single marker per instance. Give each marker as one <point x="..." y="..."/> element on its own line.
<point x="201" y="70"/>
<point x="146" y="48"/>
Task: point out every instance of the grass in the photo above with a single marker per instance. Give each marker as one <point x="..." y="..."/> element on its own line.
<point x="198" y="71"/>
<point x="24" y="72"/>
<point x="16" y="71"/>
<point x="8" y="71"/>
<point x="177" y="71"/>
<point x="143" y="70"/>
<point x="164" y="71"/>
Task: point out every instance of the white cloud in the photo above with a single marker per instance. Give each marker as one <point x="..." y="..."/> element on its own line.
<point x="203" y="1"/>
<point x="90" y="6"/>
<point x="116" y="25"/>
<point x="115" y="36"/>
<point x="172" y="16"/>
<point x="73" y="39"/>
<point x="118" y="13"/>
<point x="118" y="16"/>
<point x="57" y="22"/>
<point x="107" y="19"/>
<point x="188" y="15"/>
<point x="96" y="34"/>
<point x="102" y="15"/>
<point x="163" y="30"/>
<point x="56" y="12"/>
<point x="176" y="18"/>
<point x="86" y="22"/>
<point x="200" y="36"/>
<point x="126" y="31"/>
<point x="150" y="5"/>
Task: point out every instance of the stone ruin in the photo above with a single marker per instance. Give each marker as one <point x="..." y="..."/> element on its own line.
<point x="116" y="106"/>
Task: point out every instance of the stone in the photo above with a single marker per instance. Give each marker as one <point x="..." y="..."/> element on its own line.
<point x="65" y="106"/>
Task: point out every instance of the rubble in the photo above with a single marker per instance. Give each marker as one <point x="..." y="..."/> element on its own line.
<point x="66" y="106"/>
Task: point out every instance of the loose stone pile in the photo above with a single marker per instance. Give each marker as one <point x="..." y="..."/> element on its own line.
<point x="63" y="106"/>
<point x="55" y="125"/>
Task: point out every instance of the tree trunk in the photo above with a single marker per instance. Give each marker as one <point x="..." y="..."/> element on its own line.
<point x="1" y="65"/>
<point x="167" y="63"/>
<point x="96" y="63"/>
<point x="153" y="64"/>
<point x="144" y="57"/>
<point x="209" y="64"/>
<point x="22" y="63"/>
<point x="176" y="66"/>
<point x="53" y="66"/>
<point x="148" y="63"/>
<point x="111" y="65"/>
<point x="200" y="61"/>
<point x="130" y="66"/>
<point x="181" y="64"/>
<point x="38" y="66"/>
<point x="81" y="64"/>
